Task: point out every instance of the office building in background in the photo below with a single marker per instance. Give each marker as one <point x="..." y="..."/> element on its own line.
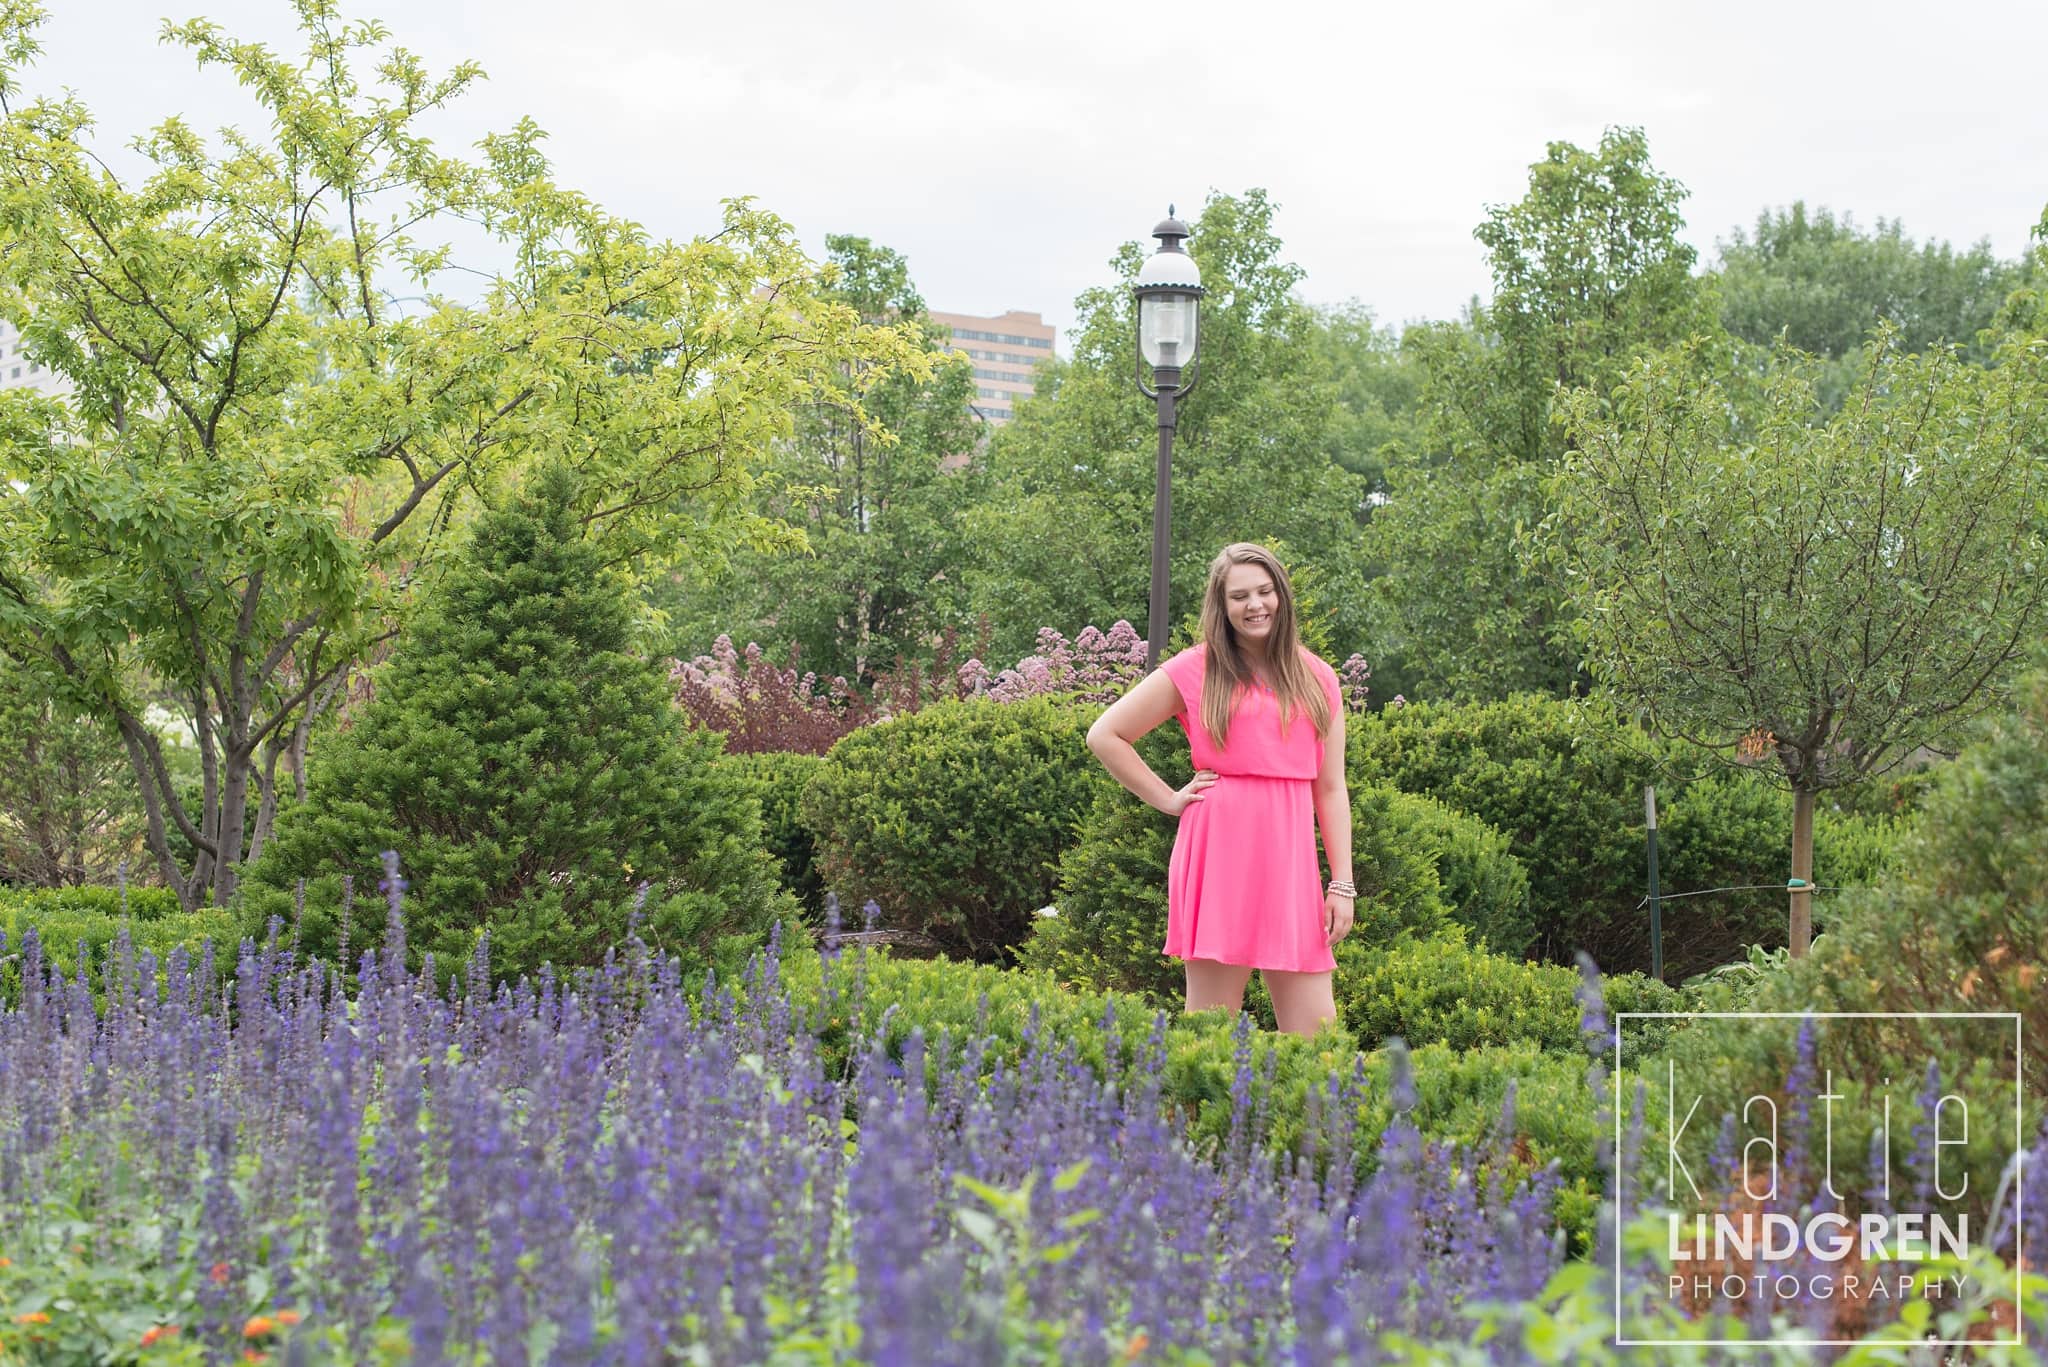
<point x="17" y="371"/>
<point x="1005" y="349"/>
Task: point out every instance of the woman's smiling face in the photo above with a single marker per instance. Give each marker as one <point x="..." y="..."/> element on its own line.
<point x="1251" y="601"/>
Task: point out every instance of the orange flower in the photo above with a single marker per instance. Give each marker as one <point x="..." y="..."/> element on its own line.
<point x="1136" y="1345"/>
<point x="251" y="1355"/>
<point x="32" y="1317"/>
<point x="161" y="1331"/>
<point x="287" y="1317"/>
<point x="258" y="1326"/>
<point x="6" y="1262"/>
<point x="218" y="1274"/>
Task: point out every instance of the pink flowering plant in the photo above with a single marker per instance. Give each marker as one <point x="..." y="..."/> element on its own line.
<point x="761" y="706"/>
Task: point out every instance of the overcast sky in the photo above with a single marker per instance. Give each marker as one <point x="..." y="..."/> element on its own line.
<point x="1007" y="148"/>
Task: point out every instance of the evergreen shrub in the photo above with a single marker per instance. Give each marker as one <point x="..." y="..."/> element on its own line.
<point x="1729" y="829"/>
<point x="1562" y="780"/>
<point x="777" y="779"/>
<point x="531" y="772"/>
<point x="953" y="819"/>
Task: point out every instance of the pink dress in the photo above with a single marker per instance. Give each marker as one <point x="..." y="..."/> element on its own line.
<point x="1244" y="886"/>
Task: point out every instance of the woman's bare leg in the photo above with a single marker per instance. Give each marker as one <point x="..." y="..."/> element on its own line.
<point x="1301" y="1001"/>
<point x="1212" y="984"/>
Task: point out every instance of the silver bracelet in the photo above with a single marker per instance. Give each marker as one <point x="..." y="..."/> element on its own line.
<point x="1344" y="887"/>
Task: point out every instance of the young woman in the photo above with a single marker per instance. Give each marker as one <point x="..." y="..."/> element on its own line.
<point x="1265" y="725"/>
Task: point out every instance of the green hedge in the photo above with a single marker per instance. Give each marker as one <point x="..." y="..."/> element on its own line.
<point x="1563" y="781"/>
<point x="1729" y="829"/>
<point x="1459" y="1094"/>
<point x="953" y="818"/>
<point x="144" y="904"/>
<point x="61" y="931"/>
<point x="1444" y="990"/>
<point x="778" y="779"/>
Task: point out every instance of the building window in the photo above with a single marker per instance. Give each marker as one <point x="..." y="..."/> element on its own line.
<point x="1013" y="376"/>
<point x="968" y="334"/>
<point x="17" y="373"/>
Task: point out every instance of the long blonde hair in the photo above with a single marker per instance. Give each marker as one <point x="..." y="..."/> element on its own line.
<point x="1229" y="669"/>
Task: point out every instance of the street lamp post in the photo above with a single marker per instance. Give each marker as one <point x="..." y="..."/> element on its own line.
<point x="1169" y="292"/>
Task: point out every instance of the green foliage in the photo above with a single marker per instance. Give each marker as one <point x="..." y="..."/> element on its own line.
<point x="863" y="563"/>
<point x="777" y="779"/>
<point x="1463" y="610"/>
<point x="1458" y="1093"/>
<point x="1111" y="892"/>
<point x="1728" y="829"/>
<point x="1962" y="925"/>
<point x="260" y="452"/>
<point x="65" y="930"/>
<point x="530" y="771"/>
<point x="1563" y="781"/>
<point x="1824" y="284"/>
<point x="1379" y="392"/>
<point x="1820" y="583"/>
<point x="1447" y="990"/>
<point x="144" y="904"/>
<point x="1823" y="590"/>
<point x="1484" y="887"/>
<point x="954" y="818"/>
<point x="1588" y="270"/>
<point x="68" y="806"/>
<point x="1063" y="536"/>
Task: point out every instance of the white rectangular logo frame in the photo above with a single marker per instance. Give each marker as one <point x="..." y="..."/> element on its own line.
<point x="2019" y="1201"/>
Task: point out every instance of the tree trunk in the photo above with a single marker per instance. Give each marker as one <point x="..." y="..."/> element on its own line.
<point x="1801" y="937"/>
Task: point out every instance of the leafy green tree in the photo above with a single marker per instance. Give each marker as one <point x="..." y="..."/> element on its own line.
<point x="1063" y="537"/>
<point x="1965" y="921"/>
<point x="865" y="487"/>
<point x="68" y="812"/>
<point x="262" y="454"/>
<point x="1830" y="594"/>
<point x="1379" y="393"/>
<point x="1588" y="271"/>
<point x="530" y="771"/>
<point x="2025" y="311"/>
<point x="1824" y="284"/>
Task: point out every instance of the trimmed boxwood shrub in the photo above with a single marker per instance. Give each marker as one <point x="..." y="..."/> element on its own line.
<point x="532" y="772"/>
<point x="62" y="930"/>
<point x="1448" y="990"/>
<point x="953" y="818"/>
<point x="144" y="904"/>
<point x="1562" y="780"/>
<point x="1485" y="888"/>
<point x="777" y="779"/>
<point x="1730" y="829"/>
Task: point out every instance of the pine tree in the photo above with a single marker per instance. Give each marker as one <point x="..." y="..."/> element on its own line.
<point x="531" y="772"/>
